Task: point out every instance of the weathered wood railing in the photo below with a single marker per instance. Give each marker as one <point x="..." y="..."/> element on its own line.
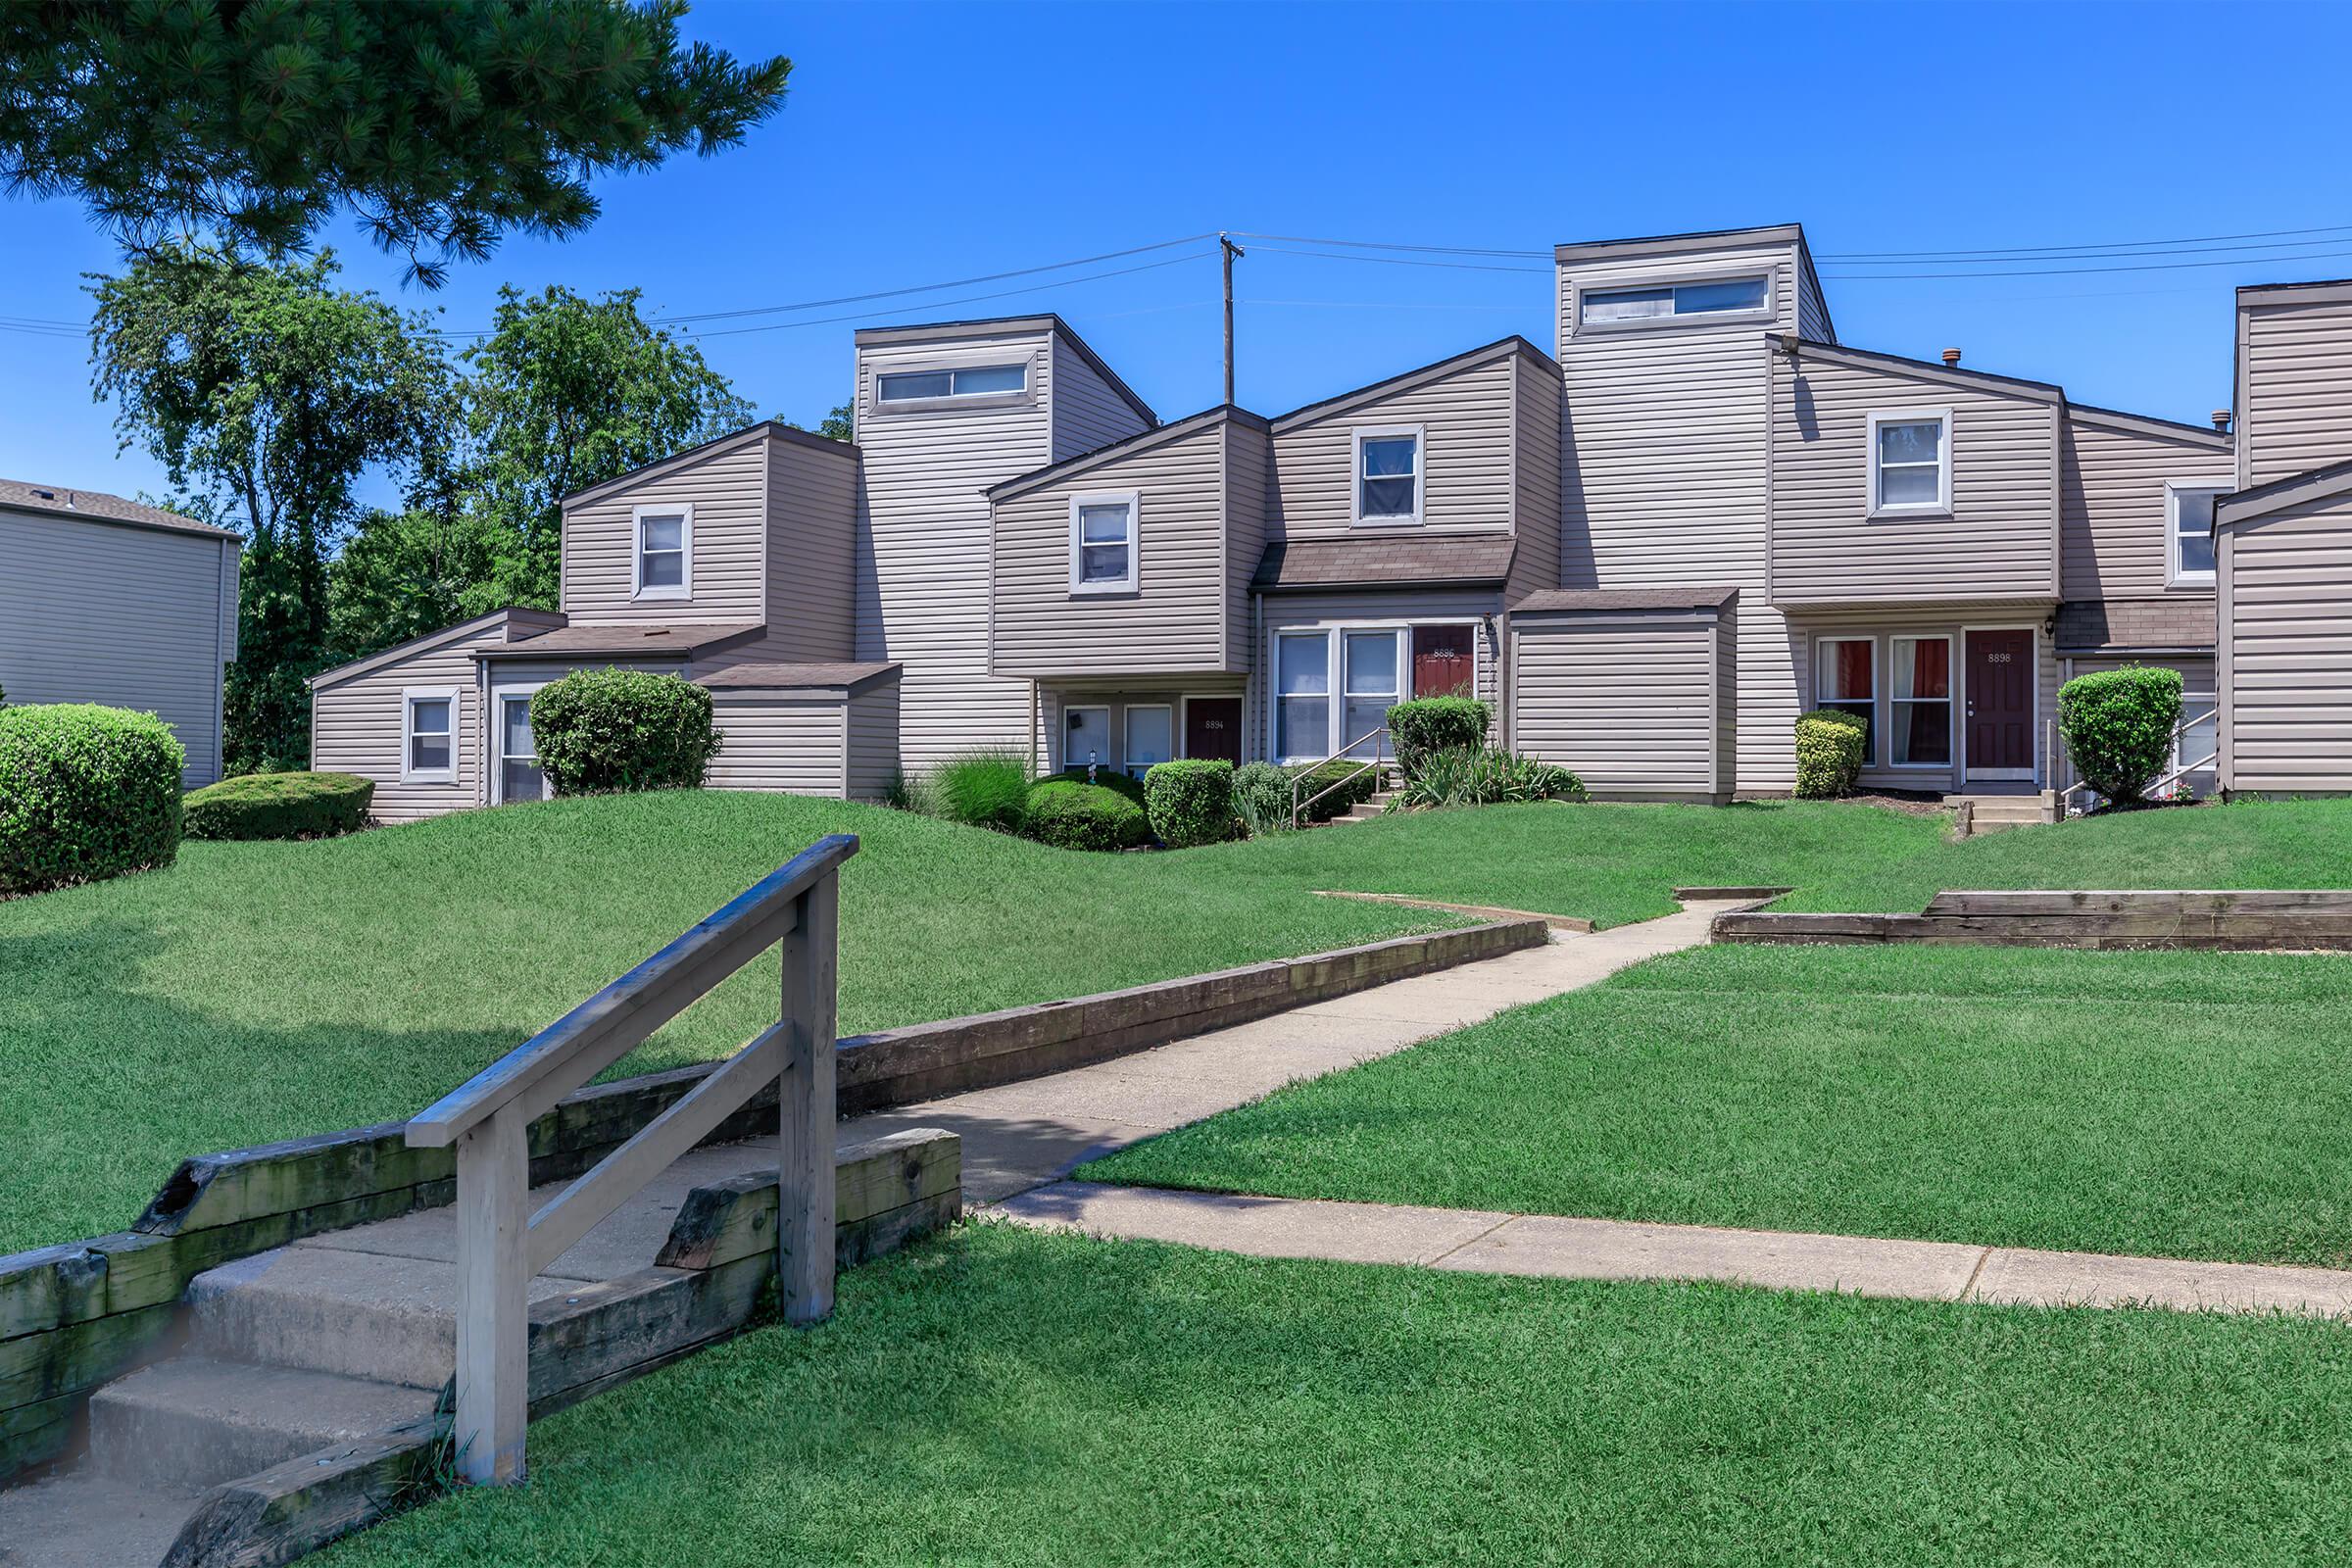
<point x="501" y="1245"/>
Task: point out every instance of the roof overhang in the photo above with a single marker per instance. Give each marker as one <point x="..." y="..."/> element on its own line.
<point x="532" y="623"/>
<point x="1804" y="348"/>
<point x="1408" y="380"/>
<point x="1706" y="239"/>
<point x="1021" y="484"/>
<point x="2196" y="435"/>
<point x="2296" y="490"/>
<point x="2323" y="291"/>
<point x="765" y="429"/>
<point x="801" y="680"/>
<point x="1624" y="601"/>
<point x="629" y="640"/>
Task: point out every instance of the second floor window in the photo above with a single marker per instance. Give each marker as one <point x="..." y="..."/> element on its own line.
<point x="1723" y="296"/>
<point x="965" y="381"/>
<point x="2188" y="511"/>
<point x="664" y="551"/>
<point x="1911" y="462"/>
<point x="1388" y="475"/>
<point x="1103" y="544"/>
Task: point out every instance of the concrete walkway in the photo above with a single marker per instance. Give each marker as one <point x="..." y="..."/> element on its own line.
<point x="1025" y="1135"/>
<point x="1543" y="1245"/>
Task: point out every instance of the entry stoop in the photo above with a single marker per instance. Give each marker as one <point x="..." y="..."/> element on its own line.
<point x="194" y="1421"/>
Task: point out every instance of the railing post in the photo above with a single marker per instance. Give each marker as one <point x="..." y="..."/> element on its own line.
<point x="494" y="1349"/>
<point x="805" y="1155"/>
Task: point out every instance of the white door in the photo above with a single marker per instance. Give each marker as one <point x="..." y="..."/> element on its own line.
<point x="515" y="774"/>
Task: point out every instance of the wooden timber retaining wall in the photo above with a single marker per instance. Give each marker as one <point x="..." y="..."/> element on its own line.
<point x="2250" y="920"/>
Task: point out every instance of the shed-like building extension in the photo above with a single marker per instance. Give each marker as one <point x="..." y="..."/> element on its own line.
<point x="2285" y="653"/>
<point x="1635" y="689"/>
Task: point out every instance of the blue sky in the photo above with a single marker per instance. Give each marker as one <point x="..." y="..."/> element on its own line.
<point x="924" y="144"/>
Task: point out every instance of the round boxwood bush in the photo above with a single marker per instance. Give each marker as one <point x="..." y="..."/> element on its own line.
<point x="2118" y="725"/>
<point x="279" y="806"/>
<point x="1829" y="752"/>
<point x="85" y="791"/>
<point x="605" y="731"/>
<point x="1070" y="814"/>
<point x="1189" y="802"/>
<point x="1431" y="724"/>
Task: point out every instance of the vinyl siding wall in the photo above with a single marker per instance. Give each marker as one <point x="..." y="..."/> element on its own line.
<point x="1088" y="411"/>
<point x="2000" y="538"/>
<point x="923" y="543"/>
<point x="2113" y="519"/>
<point x="1248" y="470"/>
<point x="1663" y="468"/>
<point x="2295" y="365"/>
<point x="1639" y="705"/>
<point x="1468" y="481"/>
<point x="811" y="551"/>
<point x="358" y="726"/>
<point x="1536" y="453"/>
<point x="1814" y="627"/>
<point x="2286" y="652"/>
<point x="1174" y="620"/>
<point x="728" y="491"/>
<point x="874" y="739"/>
<point x="793" y="743"/>
<point x="127" y="616"/>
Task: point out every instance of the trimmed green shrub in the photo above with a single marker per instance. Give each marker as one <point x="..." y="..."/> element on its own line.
<point x="2118" y="725"/>
<point x="85" y="791"/>
<point x="1070" y="814"/>
<point x="1189" y="802"/>
<point x="986" y="788"/>
<point x="1483" y="775"/>
<point x="278" y="805"/>
<point x="1261" y="799"/>
<point x="610" y="731"/>
<point x="1429" y="724"/>
<point x="1829" y="752"/>
<point x="1125" y="785"/>
<point x="1357" y="784"/>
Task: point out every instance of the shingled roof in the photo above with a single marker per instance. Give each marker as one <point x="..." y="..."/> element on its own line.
<point x="1413" y="560"/>
<point x="59" y="501"/>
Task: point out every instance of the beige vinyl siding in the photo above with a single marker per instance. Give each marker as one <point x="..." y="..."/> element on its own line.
<point x="1665" y="469"/>
<point x="2286" y="651"/>
<point x="811" y="551"/>
<point x="1088" y="411"/>
<point x="873" y="765"/>
<point x="2000" y="537"/>
<point x="1536" y="454"/>
<point x="1812" y="311"/>
<point x="728" y="491"/>
<point x="2113" y="519"/>
<point x="1172" y="621"/>
<point x="1248" y="470"/>
<point x="1637" y="705"/>
<point x="360" y="727"/>
<point x="786" y="742"/>
<point x="1466" y="457"/>
<point x="123" y="616"/>
<point x="2295" y="386"/>
<point x="923" y="541"/>
<point x="1810" y="627"/>
<point x="1300" y="612"/>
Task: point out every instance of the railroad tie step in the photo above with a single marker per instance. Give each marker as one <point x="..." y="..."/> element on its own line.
<point x="195" y="1421"/>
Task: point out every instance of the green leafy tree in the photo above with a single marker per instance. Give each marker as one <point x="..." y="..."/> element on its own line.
<point x="443" y="125"/>
<point x="566" y="393"/>
<point x="266" y="392"/>
<point x="401" y="574"/>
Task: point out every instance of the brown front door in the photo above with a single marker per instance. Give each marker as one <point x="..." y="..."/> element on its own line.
<point x="1212" y="728"/>
<point x="1441" y="663"/>
<point x="2000" y="704"/>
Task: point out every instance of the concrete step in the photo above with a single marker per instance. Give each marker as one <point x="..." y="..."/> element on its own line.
<point x="197" y="1421"/>
<point x="85" y="1519"/>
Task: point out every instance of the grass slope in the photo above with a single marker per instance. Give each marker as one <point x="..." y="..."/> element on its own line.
<point x="2178" y="1105"/>
<point x="1000" y="1397"/>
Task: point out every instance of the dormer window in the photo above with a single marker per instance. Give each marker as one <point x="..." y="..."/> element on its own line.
<point x="961" y="381"/>
<point x="1387" y="475"/>
<point x="665" y="563"/>
<point x="1911" y="462"/>
<point x="1102" y="543"/>
<point x="2189" y="525"/>
<point x="1720" y="296"/>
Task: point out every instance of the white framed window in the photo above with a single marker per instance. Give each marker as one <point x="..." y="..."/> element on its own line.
<point x="1846" y="679"/>
<point x="1102" y="542"/>
<point x="1370" y="670"/>
<point x="1910" y="462"/>
<point x="515" y="775"/>
<point x="1749" y="295"/>
<point x="1302" y="696"/>
<point x="952" y="383"/>
<point x="1150" y="735"/>
<point x="1388" y="474"/>
<point x="1335" y="684"/>
<point x="1086" y="737"/>
<point x="664" y="553"/>
<point x="428" y="735"/>
<point x="1919" y="702"/>
<point x="2188" y="530"/>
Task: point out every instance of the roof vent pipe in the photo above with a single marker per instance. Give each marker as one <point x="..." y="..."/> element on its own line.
<point x="1951" y="356"/>
<point x="2221" y="418"/>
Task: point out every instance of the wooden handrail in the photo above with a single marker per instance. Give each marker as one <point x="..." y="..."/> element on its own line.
<point x="488" y="1119"/>
<point x="1373" y="761"/>
<point x="620" y="1017"/>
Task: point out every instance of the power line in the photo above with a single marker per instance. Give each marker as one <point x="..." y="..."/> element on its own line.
<point x="2086" y="272"/>
<point x="967" y="299"/>
<point x="1398" y="260"/>
<point x="2086" y="245"/>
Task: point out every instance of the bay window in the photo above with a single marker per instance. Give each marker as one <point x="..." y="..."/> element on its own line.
<point x="1919" y="679"/>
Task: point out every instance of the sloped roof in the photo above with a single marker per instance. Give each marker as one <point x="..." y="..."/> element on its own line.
<point x="1606" y="599"/>
<point x="61" y="501"/>
<point x="793" y="676"/>
<point x="652" y="640"/>
<point x="2295" y="490"/>
<point x="1416" y="560"/>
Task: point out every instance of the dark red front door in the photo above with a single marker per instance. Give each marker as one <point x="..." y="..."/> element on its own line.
<point x="1212" y="728"/>
<point x="1441" y="666"/>
<point x="2000" y="704"/>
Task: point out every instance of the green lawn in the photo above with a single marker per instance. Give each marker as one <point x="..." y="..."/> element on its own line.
<point x="1006" y="1398"/>
<point x="2181" y="1104"/>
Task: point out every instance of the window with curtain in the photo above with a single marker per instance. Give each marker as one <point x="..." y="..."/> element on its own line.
<point x="1920" y="679"/>
<point x="1846" y="681"/>
<point x="1302" y="696"/>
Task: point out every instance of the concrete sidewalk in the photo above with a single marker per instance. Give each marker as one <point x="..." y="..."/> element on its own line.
<point x="1023" y="1135"/>
<point x="1546" y="1246"/>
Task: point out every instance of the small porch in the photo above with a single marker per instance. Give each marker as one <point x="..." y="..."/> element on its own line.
<point x="1960" y="700"/>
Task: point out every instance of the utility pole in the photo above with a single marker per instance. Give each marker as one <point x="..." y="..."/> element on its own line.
<point x="1230" y="250"/>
